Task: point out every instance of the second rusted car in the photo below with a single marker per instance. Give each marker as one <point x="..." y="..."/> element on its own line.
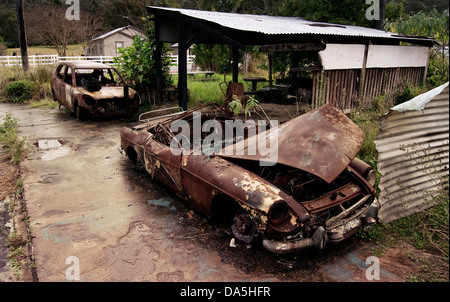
<point x="90" y="89"/>
<point x="313" y="192"/>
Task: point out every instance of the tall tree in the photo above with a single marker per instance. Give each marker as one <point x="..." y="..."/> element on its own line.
<point x="379" y="23"/>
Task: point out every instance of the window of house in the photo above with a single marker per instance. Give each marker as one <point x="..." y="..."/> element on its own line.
<point x="118" y="46"/>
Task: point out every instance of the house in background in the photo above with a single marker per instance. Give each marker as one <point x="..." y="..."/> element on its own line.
<point x="109" y="43"/>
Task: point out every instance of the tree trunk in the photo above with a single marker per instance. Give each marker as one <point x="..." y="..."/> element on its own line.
<point x="22" y="34"/>
<point x="379" y="24"/>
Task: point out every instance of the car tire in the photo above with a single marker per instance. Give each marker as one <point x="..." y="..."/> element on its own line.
<point x="54" y="96"/>
<point x="243" y="227"/>
<point x="79" y="113"/>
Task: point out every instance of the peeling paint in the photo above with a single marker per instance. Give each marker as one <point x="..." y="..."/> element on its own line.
<point x="312" y="182"/>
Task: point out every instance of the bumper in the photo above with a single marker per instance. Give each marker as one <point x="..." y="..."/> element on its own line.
<point x="101" y="112"/>
<point x="322" y="236"/>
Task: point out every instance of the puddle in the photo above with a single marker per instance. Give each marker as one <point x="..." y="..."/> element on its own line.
<point x="162" y="202"/>
<point x="53" y="149"/>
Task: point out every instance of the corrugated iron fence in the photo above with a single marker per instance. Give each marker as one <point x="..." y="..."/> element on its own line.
<point x="343" y="88"/>
<point x="413" y="158"/>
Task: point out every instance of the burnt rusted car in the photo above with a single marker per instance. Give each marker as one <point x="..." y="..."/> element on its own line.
<point x="313" y="192"/>
<point x="90" y="89"/>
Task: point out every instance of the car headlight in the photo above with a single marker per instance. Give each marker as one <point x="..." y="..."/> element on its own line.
<point x="371" y="177"/>
<point x="278" y="212"/>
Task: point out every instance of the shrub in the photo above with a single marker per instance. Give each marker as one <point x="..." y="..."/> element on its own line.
<point x="20" y="91"/>
<point x="137" y="66"/>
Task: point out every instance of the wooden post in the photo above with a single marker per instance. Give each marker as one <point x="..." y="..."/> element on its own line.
<point x="269" y="56"/>
<point x="157" y="55"/>
<point x="425" y="70"/>
<point x="361" y="95"/>
<point x="235" y="51"/>
<point x="182" y="64"/>
<point x="22" y="34"/>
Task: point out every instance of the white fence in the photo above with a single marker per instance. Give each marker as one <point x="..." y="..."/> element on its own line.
<point x="36" y="60"/>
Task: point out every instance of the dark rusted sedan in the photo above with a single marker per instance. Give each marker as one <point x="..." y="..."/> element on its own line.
<point x="313" y="192"/>
<point x="93" y="89"/>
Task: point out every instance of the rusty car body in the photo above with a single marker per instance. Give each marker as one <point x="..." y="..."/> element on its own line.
<point x="316" y="192"/>
<point x="90" y="89"/>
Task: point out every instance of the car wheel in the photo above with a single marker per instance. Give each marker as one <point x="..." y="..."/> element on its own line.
<point x="79" y="113"/>
<point x="54" y="96"/>
<point x="243" y="227"/>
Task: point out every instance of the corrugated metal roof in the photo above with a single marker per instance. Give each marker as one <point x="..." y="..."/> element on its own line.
<point x="276" y="25"/>
<point x="413" y="147"/>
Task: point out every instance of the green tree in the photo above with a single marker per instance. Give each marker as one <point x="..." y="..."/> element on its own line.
<point x="432" y="24"/>
<point x="211" y="57"/>
<point x="348" y="12"/>
<point x="8" y="25"/>
<point x="137" y="64"/>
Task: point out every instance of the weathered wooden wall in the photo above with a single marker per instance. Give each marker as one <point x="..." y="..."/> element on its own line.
<point x="342" y="87"/>
<point x="353" y="75"/>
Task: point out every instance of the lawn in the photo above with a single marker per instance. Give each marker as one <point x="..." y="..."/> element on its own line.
<point x="72" y="50"/>
<point x="204" y="90"/>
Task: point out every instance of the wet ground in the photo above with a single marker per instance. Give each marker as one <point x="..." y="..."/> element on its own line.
<point x="96" y="217"/>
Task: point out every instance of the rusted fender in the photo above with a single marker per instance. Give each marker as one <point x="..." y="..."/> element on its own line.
<point x="205" y="177"/>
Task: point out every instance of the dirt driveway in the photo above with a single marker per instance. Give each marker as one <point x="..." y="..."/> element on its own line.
<point x="96" y="217"/>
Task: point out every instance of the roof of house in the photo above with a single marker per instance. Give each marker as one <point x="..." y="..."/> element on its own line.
<point x="118" y="30"/>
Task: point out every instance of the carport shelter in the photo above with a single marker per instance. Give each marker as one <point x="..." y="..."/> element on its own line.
<point x="357" y="62"/>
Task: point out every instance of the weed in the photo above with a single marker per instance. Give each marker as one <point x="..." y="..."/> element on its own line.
<point x="8" y="138"/>
<point x="17" y="255"/>
<point x="19" y="91"/>
<point x="8" y="134"/>
<point x="17" y="86"/>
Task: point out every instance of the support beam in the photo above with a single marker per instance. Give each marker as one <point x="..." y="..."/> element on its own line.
<point x="269" y="57"/>
<point x="292" y="47"/>
<point x="362" y="78"/>
<point x="158" y="63"/>
<point x="235" y="54"/>
<point x="182" y="64"/>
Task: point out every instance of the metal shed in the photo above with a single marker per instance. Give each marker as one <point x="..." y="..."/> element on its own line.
<point x="413" y="154"/>
<point x="187" y="27"/>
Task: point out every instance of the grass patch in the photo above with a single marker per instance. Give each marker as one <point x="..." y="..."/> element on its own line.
<point x="12" y="147"/>
<point x="72" y="50"/>
<point x="33" y="86"/>
<point x="11" y="186"/>
<point x="205" y="90"/>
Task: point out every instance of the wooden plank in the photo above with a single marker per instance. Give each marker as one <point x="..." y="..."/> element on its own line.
<point x="398" y="56"/>
<point x="342" y="56"/>
<point x="182" y="65"/>
<point x="307" y="68"/>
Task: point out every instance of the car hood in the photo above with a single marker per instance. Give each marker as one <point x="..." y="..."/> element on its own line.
<point x="107" y="92"/>
<point x="322" y="142"/>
